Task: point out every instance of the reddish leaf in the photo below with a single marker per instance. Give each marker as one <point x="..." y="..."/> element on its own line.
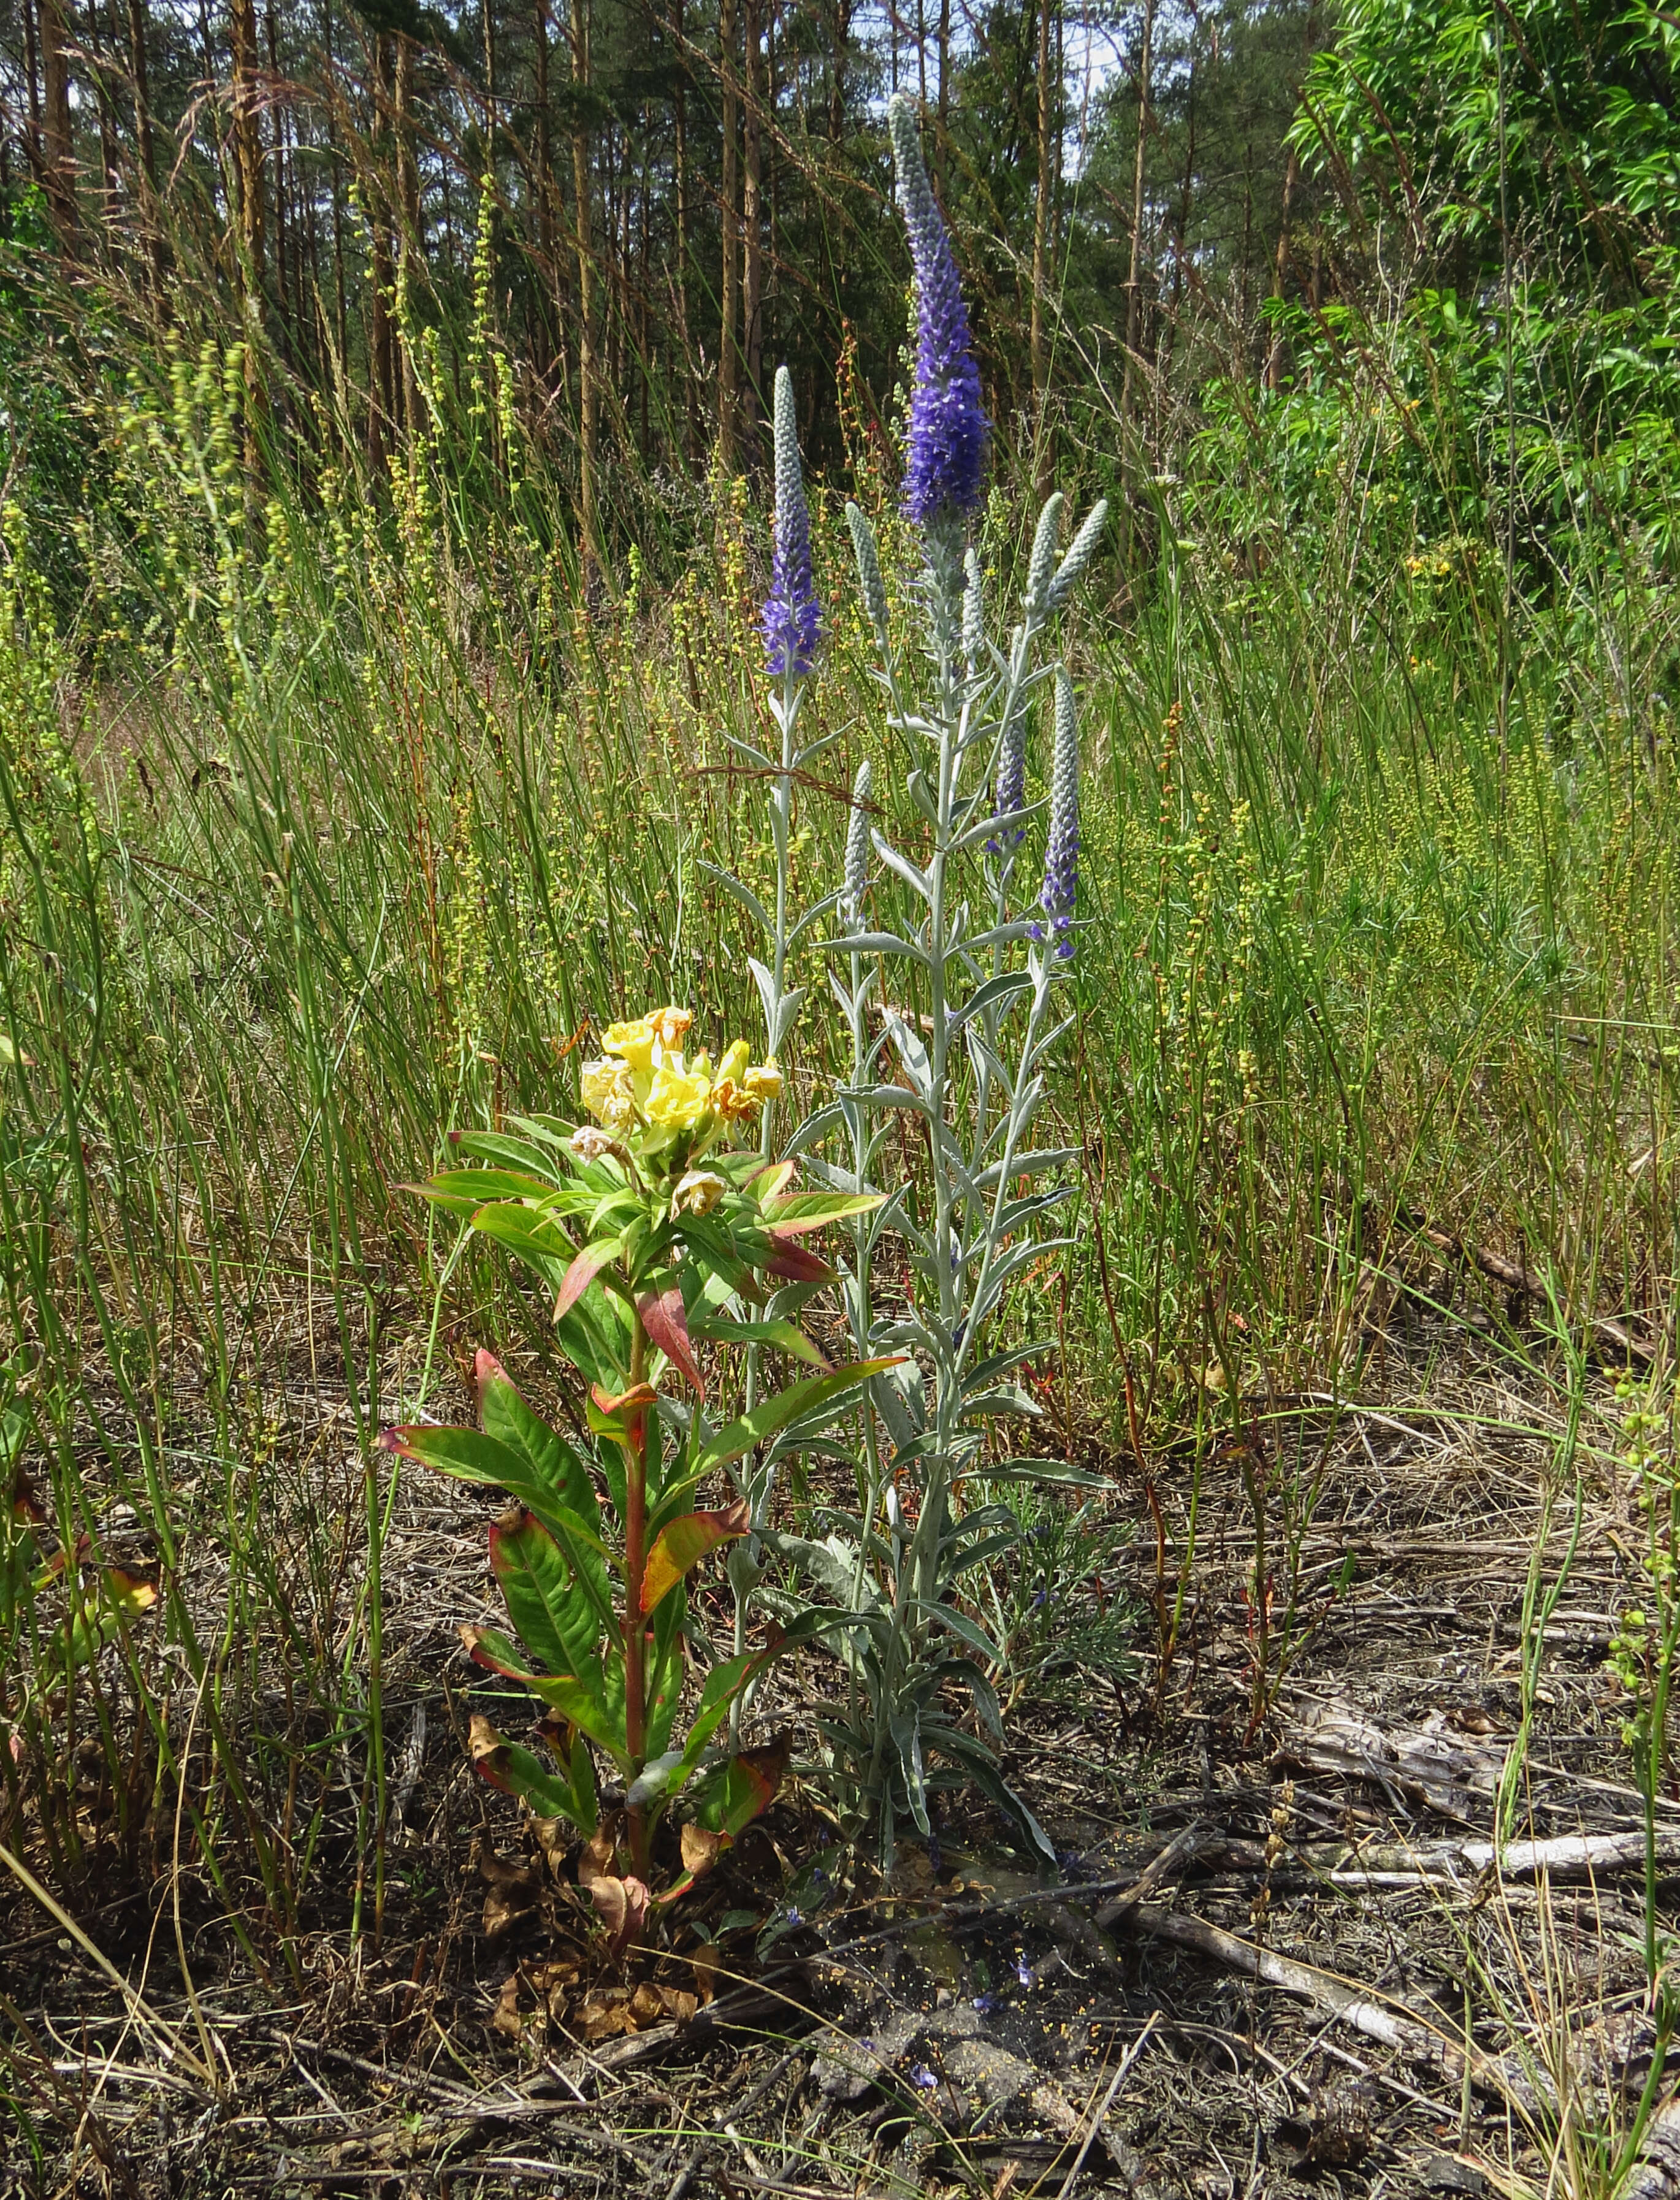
<point x="582" y="1272"/>
<point x="685" y="1543"/>
<point x="666" y="1321"/>
<point x="794" y="1264"/>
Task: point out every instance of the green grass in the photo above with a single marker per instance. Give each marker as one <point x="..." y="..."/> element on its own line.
<point x="331" y="826"/>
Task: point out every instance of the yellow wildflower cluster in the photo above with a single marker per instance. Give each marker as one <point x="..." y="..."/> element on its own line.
<point x="644" y="1076"/>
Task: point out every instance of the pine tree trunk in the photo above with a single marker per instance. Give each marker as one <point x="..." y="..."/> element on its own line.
<point x="1135" y="318"/>
<point x="32" y="70"/>
<point x="58" y="152"/>
<point x="1049" y="103"/>
<point x="680" y="180"/>
<point x="152" y="213"/>
<point x="407" y="223"/>
<point x="842" y="34"/>
<point x="729" y="335"/>
<point x="588" y="387"/>
<point x="285" y="297"/>
<point x="753" y="225"/>
<point x="1278" y="359"/>
<point x="247" y="144"/>
<point x="942" y="125"/>
<point x="382" y="394"/>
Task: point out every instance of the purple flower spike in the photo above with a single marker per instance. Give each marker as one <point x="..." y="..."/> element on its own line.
<point x="947" y="420"/>
<point x="1061" y="852"/>
<point x="791" y="623"/>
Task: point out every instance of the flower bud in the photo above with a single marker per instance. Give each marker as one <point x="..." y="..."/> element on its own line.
<point x="868" y="572"/>
<point x="857" y="875"/>
<point x="1041" y="565"/>
<point x="697" y="1193"/>
<point x="1081" y="552"/>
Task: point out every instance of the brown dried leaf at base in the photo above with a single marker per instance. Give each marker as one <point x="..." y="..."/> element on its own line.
<point x="514" y="1890"/>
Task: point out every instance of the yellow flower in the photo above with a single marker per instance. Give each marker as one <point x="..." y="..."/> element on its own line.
<point x="670" y="1027"/>
<point x="632" y="1043"/>
<point x="609" y="1094"/>
<point x="763" y="1083"/>
<point x="733" y="1063"/>
<point x="697" y="1193"/>
<point x="678" y="1099"/>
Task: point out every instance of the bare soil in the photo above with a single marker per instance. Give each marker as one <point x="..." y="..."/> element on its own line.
<point x="1428" y="2026"/>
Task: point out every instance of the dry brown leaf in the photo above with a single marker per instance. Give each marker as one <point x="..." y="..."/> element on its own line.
<point x="603" y="2016"/>
<point x="700" y="1847"/>
<point x="645" y="2006"/>
<point x="515" y="1890"/>
<point x="705" y="1963"/>
<point x="506" y="2019"/>
<point x="679" y="2004"/>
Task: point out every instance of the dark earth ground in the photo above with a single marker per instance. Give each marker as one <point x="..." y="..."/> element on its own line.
<point x="964" y="2027"/>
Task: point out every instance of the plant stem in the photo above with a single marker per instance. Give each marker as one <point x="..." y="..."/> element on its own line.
<point x="636" y="1564"/>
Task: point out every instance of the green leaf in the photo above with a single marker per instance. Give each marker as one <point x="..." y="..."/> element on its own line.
<point x="470" y="1456"/>
<point x="553" y="1612"/>
<point x="463" y="1189"/>
<point x="603" y="1723"/>
<point x="515" y="1770"/>
<point x="793" y="1404"/>
<point x="507" y="1418"/>
<point x="741" y="1790"/>
<point x="791" y="1339"/>
<point x="810" y="1210"/>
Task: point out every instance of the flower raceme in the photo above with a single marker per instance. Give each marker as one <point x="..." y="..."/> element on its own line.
<point x="645" y="1082"/>
<point x="791" y="624"/>
<point x="946" y="457"/>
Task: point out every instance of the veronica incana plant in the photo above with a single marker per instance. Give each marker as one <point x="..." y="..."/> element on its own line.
<point x="951" y="1018"/>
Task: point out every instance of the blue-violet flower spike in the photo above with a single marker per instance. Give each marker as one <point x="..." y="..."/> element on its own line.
<point x="791" y="615"/>
<point x="947" y="456"/>
<point x="1062" y="851"/>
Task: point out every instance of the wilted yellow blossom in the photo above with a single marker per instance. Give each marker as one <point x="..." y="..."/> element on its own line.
<point x="609" y="1094"/>
<point x="590" y="1144"/>
<point x="670" y="1027"/>
<point x="697" y="1193"/>
<point x="762" y="1083"/>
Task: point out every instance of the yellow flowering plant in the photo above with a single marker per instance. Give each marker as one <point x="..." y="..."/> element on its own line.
<point x="653" y="1236"/>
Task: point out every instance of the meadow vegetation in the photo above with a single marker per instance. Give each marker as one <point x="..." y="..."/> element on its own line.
<point x="346" y="799"/>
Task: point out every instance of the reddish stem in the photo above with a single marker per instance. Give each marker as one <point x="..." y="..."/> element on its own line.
<point x="635" y="1566"/>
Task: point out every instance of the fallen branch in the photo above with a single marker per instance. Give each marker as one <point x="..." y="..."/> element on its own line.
<point x="1522" y="2080"/>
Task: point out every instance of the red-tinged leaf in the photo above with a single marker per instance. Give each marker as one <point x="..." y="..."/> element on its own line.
<point x="26" y="1506"/>
<point x="611" y="1408"/>
<point x="129" y="1593"/>
<point x="769" y="1182"/>
<point x="486" y="1367"/>
<point x="793" y="1264"/>
<point x="582" y="1272"/>
<point x="744" y="1788"/>
<point x="513" y="1770"/>
<point x="685" y="1543"/>
<point x="622" y="1903"/>
<point x="666" y="1321"/>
